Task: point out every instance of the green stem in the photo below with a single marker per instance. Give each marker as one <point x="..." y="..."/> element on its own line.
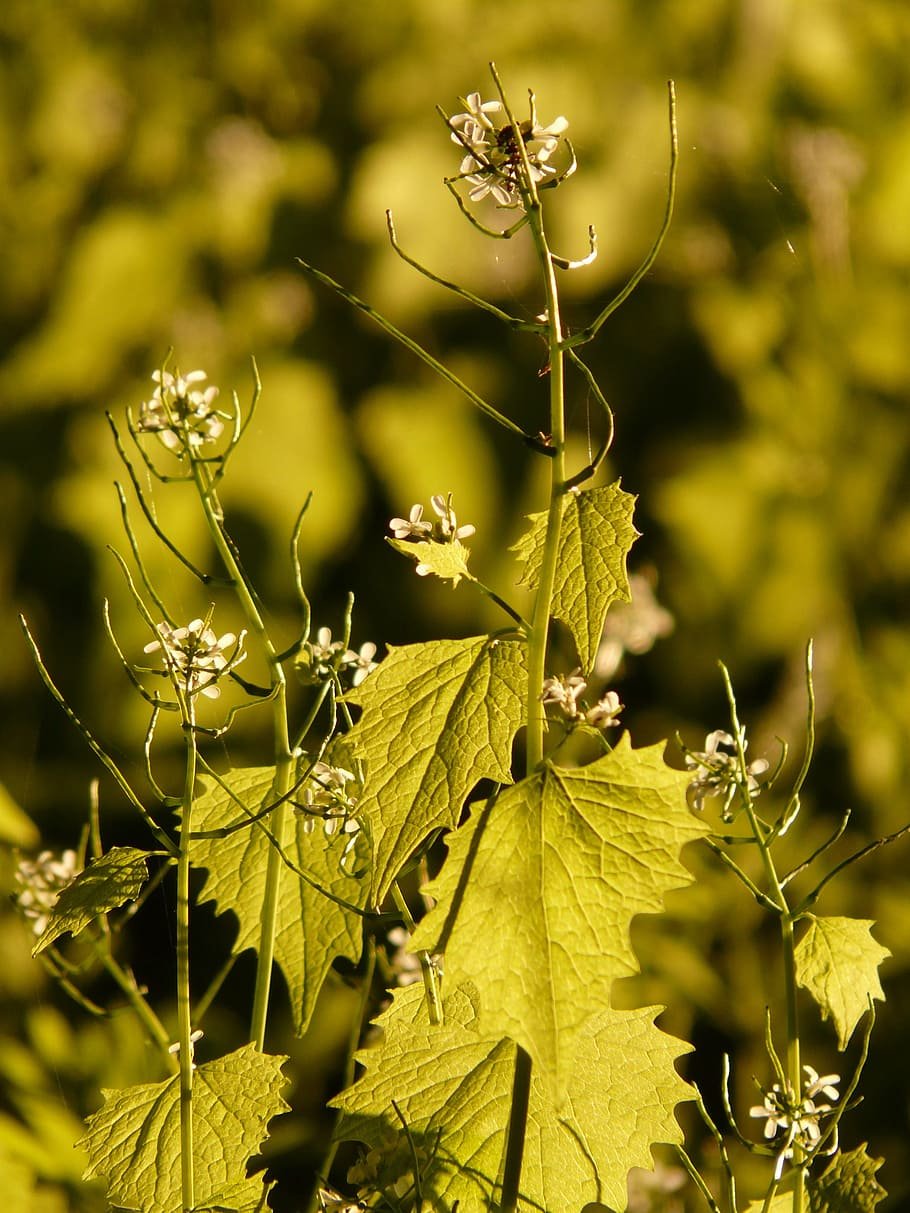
<point x="139" y="1005"/>
<point x="184" y="1006"/>
<point x="279" y="820"/>
<point x="787" y="918"/>
<point x="540" y="618"/>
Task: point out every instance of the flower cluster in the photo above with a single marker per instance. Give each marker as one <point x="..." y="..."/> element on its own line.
<point x="321" y="660"/>
<point x="420" y="531"/>
<point x="444" y="530"/>
<point x="798" y="1116"/>
<point x="39" y="882"/>
<point x="493" y="162"/>
<point x="181" y="415"/>
<point x="719" y="773"/>
<point x="196" y="657"/>
<point x="565" y="690"/>
<point x="330" y="794"/>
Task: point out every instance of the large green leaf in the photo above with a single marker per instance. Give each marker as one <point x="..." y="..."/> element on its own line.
<point x="436" y="719"/>
<point x="133" y="1141"/>
<point x="453" y="1083"/>
<point x="837" y="962"/>
<point x="594" y="541"/>
<point x="312" y="929"/>
<point x="105" y="885"/>
<point x="540" y="886"/>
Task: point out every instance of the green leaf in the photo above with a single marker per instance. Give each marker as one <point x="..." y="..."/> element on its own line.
<point x="104" y="885"/>
<point x="453" y="1086"/>
<point x="539" y="888"/>
<point x="311" y="929"/>
<point x="594" y="541"/>
<point x="436" y="719"/>
<point x="848" y="1186"/>
<point x="448" y="561"/>
<point x="837" y="962"/>
<point x="133" y="1141"/>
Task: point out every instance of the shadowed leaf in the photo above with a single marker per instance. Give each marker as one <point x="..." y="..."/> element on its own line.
<point x="105" y="885"/>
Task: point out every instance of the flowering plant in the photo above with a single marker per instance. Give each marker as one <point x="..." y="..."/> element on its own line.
<point x="505" y="1072"/>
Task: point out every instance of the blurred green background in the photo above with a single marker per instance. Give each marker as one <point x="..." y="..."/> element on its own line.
<point x="163" y="165"/>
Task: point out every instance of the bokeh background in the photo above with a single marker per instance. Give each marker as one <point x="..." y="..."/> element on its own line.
<point x="163" y="165"/>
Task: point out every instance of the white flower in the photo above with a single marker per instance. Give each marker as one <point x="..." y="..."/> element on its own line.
<point x="361" y="662"/>
<point x="322" y="658"/>
<point x="797" y="1117"/>
<point x="196" y="657"/>
<point x="412" y="527"/>
<point x="719" y="771"/>
<point x="444" y="530"/>
<point x="493" y="161"/>
<point x="181" y="415"/>
<point x="327" y="788"/>
<point x="330" y="793"/>
<point x="447" y="528"/>
<point x="605" y="713"/>
<point x="564" y="690"/>
<point x="39" y="883"/>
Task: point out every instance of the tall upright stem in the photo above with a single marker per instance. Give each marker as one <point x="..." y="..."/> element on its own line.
<point x="184" y="1005"/>
<point x="279" y="820"/>
<point x="779" y="897"/>
<point x="540" y="619"/>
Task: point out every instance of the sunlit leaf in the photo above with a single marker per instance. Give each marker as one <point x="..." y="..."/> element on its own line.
<point x="448" y="561"/>
<point x="539" y="888"/>
<point x="105" y="885"/>
<point x="453" y="1086"/>
<point x="133" y="1141"/>
<point x="436" y="719"/>
<point x="594" y="541"/>
<point x="837" y="962"/>
<point x="312" y="930"/>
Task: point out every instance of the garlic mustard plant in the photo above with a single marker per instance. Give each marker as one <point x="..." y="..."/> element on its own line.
<point x="453" y="836"/>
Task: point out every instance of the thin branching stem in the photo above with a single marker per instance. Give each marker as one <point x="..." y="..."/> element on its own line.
<point x="137" y="556"/>
<point x="606" y="442"/>
<point x="786" y="918"/>
<point x="424" y="355"/>
<point x="150" y="518"/>
<point x="122" y="782"/>
<point x="590" y="331"/>
<point x="513" y="322"/>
